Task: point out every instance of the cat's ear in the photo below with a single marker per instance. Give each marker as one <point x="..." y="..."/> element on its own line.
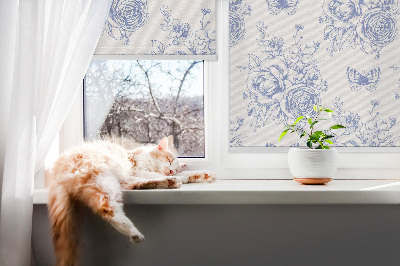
<point x="171" y="146"/>
<point x="163" y="145"/>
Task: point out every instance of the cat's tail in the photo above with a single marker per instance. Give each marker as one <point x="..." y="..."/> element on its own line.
<point x="62" y="212"/>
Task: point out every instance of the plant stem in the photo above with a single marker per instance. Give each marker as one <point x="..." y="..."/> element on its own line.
<point x="315" y="119"/>
<point x="299" y="128"/>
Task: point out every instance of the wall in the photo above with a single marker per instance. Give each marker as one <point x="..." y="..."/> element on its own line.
<point x="237" y="235"/>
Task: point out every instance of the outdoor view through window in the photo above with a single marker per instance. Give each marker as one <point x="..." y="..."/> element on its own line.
<point x="139" y="102"/>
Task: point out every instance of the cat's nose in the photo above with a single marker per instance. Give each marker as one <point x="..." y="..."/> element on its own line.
<point x="171" y="172"/>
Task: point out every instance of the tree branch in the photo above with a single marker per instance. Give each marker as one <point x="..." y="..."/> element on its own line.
<point x="146" y="73"/>
<point x="182" y="81"/>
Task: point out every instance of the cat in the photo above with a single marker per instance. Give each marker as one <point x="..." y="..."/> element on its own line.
<point x="94" y="173"/>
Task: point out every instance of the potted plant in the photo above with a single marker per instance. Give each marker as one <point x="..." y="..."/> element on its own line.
<point x="315" y="164"/>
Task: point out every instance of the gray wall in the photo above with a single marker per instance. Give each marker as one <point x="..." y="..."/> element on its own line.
<point x="237" y="235"/>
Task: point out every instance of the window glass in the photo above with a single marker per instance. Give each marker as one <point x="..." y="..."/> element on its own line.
<point x="140" y="102"/>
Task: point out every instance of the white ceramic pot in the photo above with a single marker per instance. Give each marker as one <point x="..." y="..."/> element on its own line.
<point x="310" y="166"/>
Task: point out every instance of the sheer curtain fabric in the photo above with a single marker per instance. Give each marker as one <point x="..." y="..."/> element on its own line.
<point x="55" y="43"/>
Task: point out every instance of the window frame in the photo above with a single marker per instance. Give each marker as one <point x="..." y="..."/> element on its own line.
<point x="232" y="163"/>
<point x="363" y="162"/>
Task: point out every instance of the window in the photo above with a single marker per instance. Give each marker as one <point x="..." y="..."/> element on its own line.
<point x="214" y="141"/>
<point x="292" y="65"/>
<point x="142" y="101"/>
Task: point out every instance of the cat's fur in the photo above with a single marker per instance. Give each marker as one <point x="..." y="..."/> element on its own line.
<point x="94" y="174"/>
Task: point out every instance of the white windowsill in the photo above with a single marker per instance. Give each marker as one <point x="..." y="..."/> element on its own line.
<point x="264" y="192"/>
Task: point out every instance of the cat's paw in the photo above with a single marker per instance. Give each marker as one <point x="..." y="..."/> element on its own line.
<point x="209" y="177"/>
<point x="201" y="177"/>
<point x="138" y="237"/>
<point x="182" y="167"/>
<point x="174" y="182"/>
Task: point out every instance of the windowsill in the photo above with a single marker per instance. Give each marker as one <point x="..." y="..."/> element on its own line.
<point x="264" y="192"/>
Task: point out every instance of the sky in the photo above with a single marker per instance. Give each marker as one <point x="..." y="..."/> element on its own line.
<point x="195" y="89"/>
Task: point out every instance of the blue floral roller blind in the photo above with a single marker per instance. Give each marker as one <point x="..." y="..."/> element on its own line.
<point x="160" y="27"/>
<point x="287" y="55"/>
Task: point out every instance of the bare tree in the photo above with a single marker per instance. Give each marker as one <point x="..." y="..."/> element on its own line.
<point x="144" y="110"/>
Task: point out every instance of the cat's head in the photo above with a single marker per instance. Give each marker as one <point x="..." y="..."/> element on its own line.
<point x="164" y="161"/>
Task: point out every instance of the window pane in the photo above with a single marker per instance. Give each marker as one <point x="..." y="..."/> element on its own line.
<point x="140" y="102"/>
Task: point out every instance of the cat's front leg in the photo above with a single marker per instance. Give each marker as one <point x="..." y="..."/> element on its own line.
<point x="147" y="174"/>
<point x="197" y="177"/>
<point x="154" y="183"/>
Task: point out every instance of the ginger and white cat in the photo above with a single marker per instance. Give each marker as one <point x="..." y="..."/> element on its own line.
<point x="94" y="174"/>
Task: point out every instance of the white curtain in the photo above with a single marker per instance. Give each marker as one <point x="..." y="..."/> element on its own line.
<point x="55" y="43"/>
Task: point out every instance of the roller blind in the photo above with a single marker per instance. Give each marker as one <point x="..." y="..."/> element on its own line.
<point x="176" y="29"/>
<point x="286" y="56"/>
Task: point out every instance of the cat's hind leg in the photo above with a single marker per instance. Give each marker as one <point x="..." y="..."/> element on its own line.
<point x="103" y="195"/>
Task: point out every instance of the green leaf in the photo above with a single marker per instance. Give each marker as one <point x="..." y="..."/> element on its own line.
<point x="309" y="144"/>
<point x="298" y="119"/>
<point x="319" y="147"/>
<point x="329" y="141"/>
<point x="319" y="133"/>
<point x="283" y="134"/>
<point x="309" y="121"/>
<point x="313" y="123"/>
<point x="316" y="136"/>
<point x="337" y="127"/>
<point x="302" y="134"/>
<point x="326" y="148"/>
<point x="315" y="108"/>
<point x="327" y="137"/>
<point x="328" y="110"/>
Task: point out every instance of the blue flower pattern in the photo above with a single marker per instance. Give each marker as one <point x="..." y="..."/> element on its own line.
<point x="276" y="6"/>
<point x="282" y="78"/>
<point x="199" y="42"/>
<point x="285" y="84"/>
<point x="235" y="137"/>
<point x="125" y="17"/>
<point x="368" y="25"/>
<point x="375" y="132"/>
<point x="237" y="11"/>
<point x="397" y="93"/>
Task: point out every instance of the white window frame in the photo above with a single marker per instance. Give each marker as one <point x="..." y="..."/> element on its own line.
<point x="259" y="163"/>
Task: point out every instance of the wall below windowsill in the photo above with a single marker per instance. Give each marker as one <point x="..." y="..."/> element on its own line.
<point x="264" y="192"/>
